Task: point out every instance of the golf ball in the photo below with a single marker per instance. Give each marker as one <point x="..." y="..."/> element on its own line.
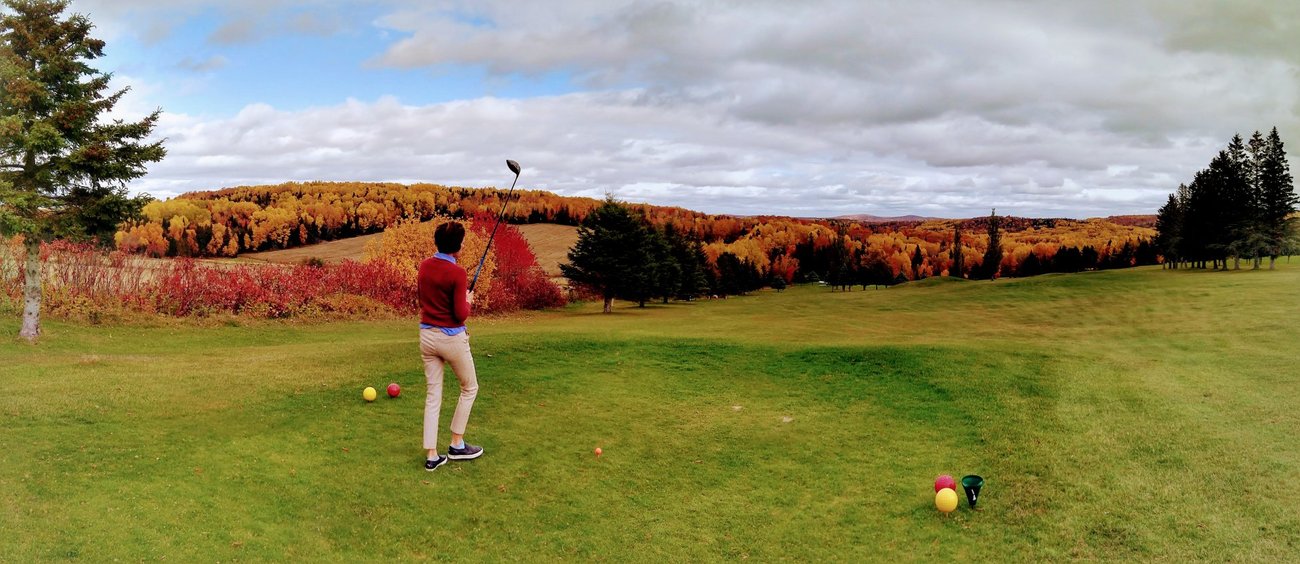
<point x="946" y="500"/>
<point x="369" y="393"/>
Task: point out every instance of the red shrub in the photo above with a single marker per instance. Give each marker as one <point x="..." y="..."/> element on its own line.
<point x="518" y="282"/>
<point x="80" y="280"/>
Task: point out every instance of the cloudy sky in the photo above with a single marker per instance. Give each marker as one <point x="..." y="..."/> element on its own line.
<point x="815" y="107"/>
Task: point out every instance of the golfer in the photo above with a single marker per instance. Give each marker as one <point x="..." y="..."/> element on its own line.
<point x="444" y="306"/>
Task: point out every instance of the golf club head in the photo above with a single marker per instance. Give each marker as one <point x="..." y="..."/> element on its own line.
<point x="514" y="166"/>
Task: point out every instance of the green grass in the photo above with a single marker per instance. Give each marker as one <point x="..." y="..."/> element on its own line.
<point x="1138" y="414"/>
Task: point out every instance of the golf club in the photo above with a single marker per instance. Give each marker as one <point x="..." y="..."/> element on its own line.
<point x="514" y="167"/>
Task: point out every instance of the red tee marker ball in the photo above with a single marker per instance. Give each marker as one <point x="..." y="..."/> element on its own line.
<point x="394" y="390"/>
<point x="598" y="451"/>
<point x="945" y="481"/>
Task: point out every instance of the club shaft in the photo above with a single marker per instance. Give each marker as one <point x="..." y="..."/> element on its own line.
<point x="492" y="236"/>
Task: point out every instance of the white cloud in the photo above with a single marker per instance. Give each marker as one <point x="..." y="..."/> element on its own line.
<point x="818" y="106"/>
<point x="212" y="63"/>
<point x="628" y="144"/>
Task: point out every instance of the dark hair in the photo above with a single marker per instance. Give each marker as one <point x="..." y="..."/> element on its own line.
<point x="448" y="237"/>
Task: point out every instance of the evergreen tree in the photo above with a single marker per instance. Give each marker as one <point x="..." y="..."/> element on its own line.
<point x="1257" y="149"/>
<point x="1169" y="222"/>
<point x="1277" y="196"/>
<point x="1088" y="258"/>
<point x="993" y="255"/>
<point x="1202" y="220"/>
<point x="63" y="167"/>
<point x="613" y="254"/>
<point x="688" y="254"/>
<point x="880" y="273"/>
<point x="1239" y="216"/>
<point x="956" y="270"/>
<point x="736" y="277"/>
<point x="917" y="259"/>
<point x="1031" y="266"/>
<point x="667" y="273"/>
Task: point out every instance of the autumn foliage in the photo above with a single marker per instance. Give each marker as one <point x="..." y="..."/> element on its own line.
<point x="245" y="219"/>
<point x="83" y="282"/>
<point x="510" y="279"/>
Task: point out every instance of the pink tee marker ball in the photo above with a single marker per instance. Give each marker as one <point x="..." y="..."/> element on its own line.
<point x="598" y="451"/>
<point x="945" y="481"/>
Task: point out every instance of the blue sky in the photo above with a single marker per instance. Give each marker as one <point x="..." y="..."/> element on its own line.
<point x="294" y="71"/>
<point x="820" y="107"/>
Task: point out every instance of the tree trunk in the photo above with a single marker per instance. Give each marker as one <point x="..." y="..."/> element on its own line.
<point x="1272" y="260"/>
<point x="32" y="292"/>
<point x="1236" y="263"/>
<point x="609" y="304"/>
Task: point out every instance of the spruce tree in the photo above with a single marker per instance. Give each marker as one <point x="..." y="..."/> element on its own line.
<point x="667" y="273"/>
<point x="1239" y="216"/>
<point x="993" y="254"/>
<point x="956" y="270"/>
<point x="1169" y="221"/>
<point x="613" y="255"/>
<point x="1256" y="148"/>
<point x="1277" y="195"/>
<point x="693" y="264"/>
<point x="63" y="166"/>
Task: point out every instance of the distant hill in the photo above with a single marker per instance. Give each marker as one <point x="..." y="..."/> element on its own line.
<point x="868" y="218"/>
<point x="1133" y="220"/>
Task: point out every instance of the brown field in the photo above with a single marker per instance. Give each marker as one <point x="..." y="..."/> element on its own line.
<point x="550" y="242"/>
<point x="353" y="248"/>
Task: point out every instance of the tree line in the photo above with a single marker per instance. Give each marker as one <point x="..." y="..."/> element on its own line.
<point x="1036" y="249"/>
<point x="1239" y="207"/>
<point x="623" y="254"/>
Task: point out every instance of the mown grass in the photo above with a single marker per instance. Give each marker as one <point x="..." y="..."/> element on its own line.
<point x="1118" y="415"/>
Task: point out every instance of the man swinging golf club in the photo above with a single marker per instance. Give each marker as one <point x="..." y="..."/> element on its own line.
<point x="445" y="301"/>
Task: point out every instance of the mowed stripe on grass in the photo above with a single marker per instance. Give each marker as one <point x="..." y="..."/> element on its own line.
<point x="1123" y="414"/>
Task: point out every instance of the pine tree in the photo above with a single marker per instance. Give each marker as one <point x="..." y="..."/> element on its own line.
<point x="688" y="254"/>
<point x="1239" y="216"/>
<point x="613" y="254"/>
<point x="63" y="168"/>
<point x="1277" y="195"/>
<point x="1208" y="214"/>
<point x="993" y="254"/>
<point x="1169" y="221"/>
<point x="1257" y="149"/>
<point x="956" y="270"/>
<point x="667" y="275"/>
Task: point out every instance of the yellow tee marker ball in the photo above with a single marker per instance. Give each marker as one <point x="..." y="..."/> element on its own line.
<point x="369" y="394"/>
<point x="946" y="500"/>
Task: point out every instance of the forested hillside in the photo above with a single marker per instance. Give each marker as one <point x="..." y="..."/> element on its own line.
<point x="260" y="218"/>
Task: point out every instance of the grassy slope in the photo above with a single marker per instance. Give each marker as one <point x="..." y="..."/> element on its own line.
<point x="1135" y="414"/>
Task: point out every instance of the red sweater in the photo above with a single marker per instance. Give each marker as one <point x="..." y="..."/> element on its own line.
<point x="441" y="290"/>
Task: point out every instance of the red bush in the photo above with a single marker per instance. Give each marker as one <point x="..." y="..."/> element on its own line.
<point x="519" y="283"/>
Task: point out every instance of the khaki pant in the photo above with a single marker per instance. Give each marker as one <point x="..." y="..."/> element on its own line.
<point x="437" y="348"/>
